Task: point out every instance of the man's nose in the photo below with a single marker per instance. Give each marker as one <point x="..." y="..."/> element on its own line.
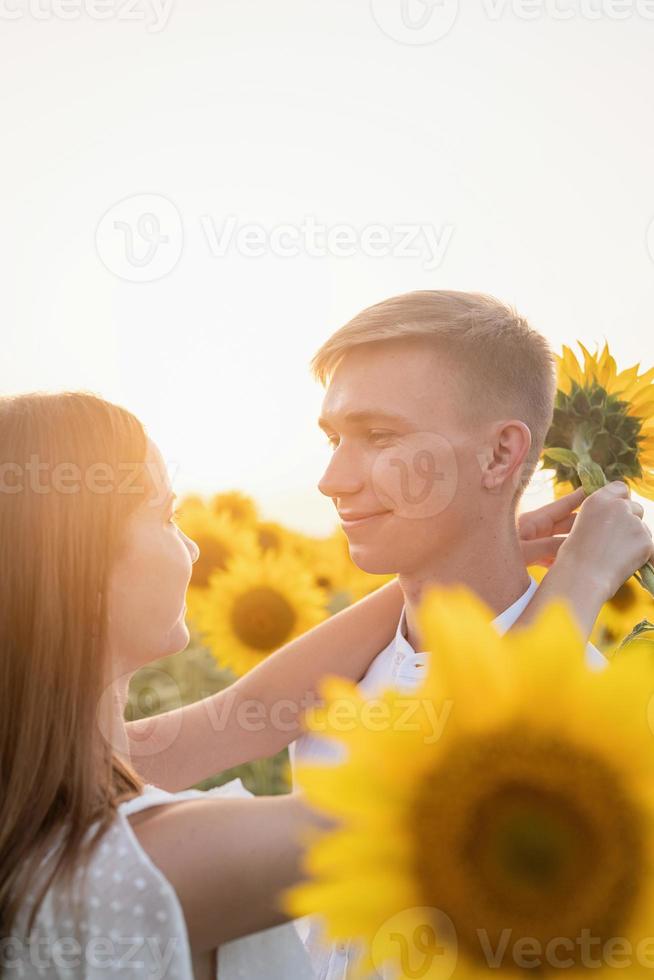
<point x="343" y="475"/>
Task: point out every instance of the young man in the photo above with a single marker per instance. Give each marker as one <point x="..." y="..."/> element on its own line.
<point x="436" y="409"/>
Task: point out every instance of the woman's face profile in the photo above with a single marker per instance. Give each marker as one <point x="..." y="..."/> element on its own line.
<point x="148" y="582"/>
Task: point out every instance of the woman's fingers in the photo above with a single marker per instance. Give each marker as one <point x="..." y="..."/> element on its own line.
<point x="544" y="521"/>
<point x="565" y="505"/>
<point x="541" y="551"/>
<point x="636" y="508"/>
<point x="564" y="526"/>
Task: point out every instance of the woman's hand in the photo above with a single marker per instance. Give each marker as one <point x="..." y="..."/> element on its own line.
<point x="607" y="542"/>
<point x="542" y="531"/>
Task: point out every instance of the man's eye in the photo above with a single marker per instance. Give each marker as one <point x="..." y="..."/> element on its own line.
<point x="379" y="437"/>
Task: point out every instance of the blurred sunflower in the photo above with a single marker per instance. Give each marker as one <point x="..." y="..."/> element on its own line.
<point x="255" y="607"/>
<point x="602" y="418"/>
<point x="191" y="502"/>
<point x="529" y="814"/>
<point x="276" y="538"/>
<point x="353" y="582"/>
<point x="330" y="567"/>
<point x="236" y="505"/>
<point x="219" y="539"/>
<point x="629" y="606"/>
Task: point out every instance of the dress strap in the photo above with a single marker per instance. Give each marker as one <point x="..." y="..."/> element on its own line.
<point x="155" y="796"/>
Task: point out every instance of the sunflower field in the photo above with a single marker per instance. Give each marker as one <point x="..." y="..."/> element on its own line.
<point x="256" y="586"/>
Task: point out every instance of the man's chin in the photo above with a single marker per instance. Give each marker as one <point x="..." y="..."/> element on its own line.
<point x="371" y="560"/>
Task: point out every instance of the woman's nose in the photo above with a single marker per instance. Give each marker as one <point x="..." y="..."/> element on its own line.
<point x="193" y="549"/>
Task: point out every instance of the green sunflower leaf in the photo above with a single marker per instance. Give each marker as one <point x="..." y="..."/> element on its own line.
<point x="566" y="457"/>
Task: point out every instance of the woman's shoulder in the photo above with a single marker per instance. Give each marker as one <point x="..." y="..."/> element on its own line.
<point x="121" y="914"/>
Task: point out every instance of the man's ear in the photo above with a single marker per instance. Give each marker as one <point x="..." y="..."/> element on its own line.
<point x="504" y="455"/>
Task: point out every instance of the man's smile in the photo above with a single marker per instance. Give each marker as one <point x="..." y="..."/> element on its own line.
<point x="354" y="519"/>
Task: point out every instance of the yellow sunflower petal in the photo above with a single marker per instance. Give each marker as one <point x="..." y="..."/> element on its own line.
<point x="559" y="785"/>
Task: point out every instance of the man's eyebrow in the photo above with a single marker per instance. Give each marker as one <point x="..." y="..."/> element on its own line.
<point x="368" y="416"/>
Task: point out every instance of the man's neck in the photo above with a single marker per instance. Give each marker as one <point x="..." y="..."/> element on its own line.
<point x="492" y="566"/>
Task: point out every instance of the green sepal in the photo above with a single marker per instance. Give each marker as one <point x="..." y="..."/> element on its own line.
<point x="591" y="476"/>
<point x="564" y="456"/>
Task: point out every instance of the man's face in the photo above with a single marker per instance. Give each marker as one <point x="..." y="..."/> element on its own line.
<point x="405" y="474"/>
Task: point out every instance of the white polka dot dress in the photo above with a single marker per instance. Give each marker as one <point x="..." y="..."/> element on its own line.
<point x="128" y="921"/>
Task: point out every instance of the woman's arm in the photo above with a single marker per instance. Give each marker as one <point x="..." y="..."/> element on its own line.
<point x="261" y="713"/>
<point x="607" y="543"/>
<point x="229" y="860"/>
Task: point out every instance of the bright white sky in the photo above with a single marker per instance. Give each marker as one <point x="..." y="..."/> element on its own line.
<point x="525" y="145"/>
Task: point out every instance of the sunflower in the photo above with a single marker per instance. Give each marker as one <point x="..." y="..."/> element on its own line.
<point x="330" y="566"/>
<point x="254" y="607"/>
<point x="603" y="419"/>
<point x="353" y="582"/>
<point x="528" y="816"/>
<point x="629" y="606"/>
<point x="602" y="429"/>
<point x="191" y="502"/>
<point x="273" y="536"/>
<point x="219" y="539"/>
<point x="236" y="505"/>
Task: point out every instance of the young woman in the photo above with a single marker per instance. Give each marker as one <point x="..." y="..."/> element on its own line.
<point x="101" y="873"/>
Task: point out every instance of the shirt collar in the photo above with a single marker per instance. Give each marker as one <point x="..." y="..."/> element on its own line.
<point x="502" y="623"/>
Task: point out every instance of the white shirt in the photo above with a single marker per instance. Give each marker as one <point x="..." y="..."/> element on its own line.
<point x="397" y="667"/>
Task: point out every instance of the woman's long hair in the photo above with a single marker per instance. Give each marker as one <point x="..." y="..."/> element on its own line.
<point x="71" y="472"/>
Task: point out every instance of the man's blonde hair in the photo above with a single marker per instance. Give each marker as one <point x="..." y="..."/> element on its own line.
<point x="508" y="367"/>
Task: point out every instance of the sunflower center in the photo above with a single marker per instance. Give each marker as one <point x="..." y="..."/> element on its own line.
<point x="591" y="417"/>
<point x="527" y="837"/>
<point x="526" y="833"/>
<point x="262" y="618"/>
<point x="269" y="539"/>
